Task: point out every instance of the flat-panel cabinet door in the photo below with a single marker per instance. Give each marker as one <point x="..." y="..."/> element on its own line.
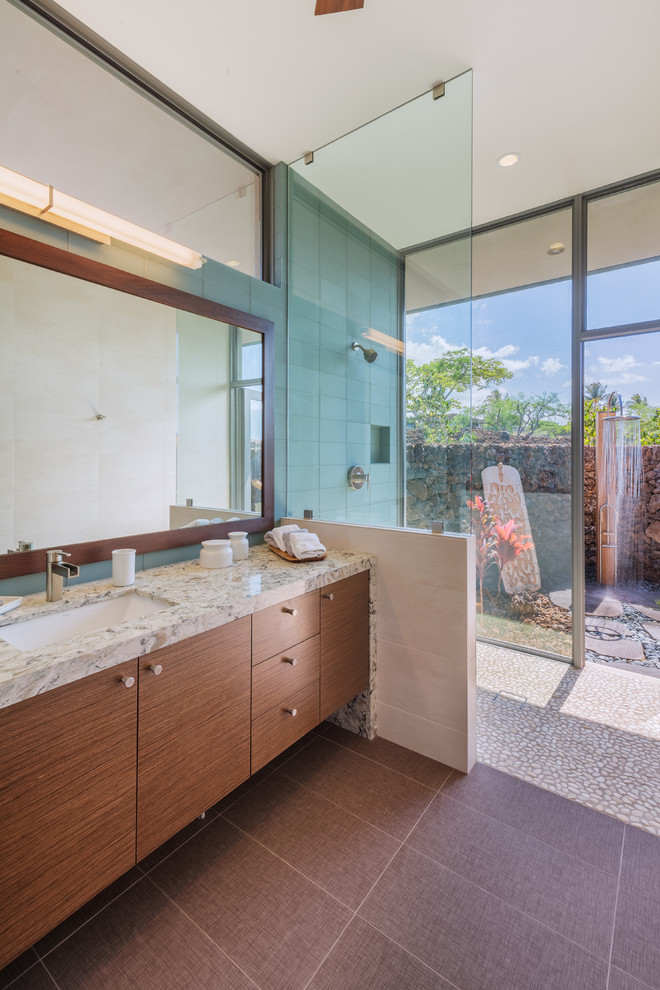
<point x="67" y="801"/>
<point x="194" y="729"/>
<point x="344" y="642"/>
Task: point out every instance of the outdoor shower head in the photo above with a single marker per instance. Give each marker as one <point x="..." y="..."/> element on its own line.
<point x="614" y="399"/>
<point x="369" y="355"/>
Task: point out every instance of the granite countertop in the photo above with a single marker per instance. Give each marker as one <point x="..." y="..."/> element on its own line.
<point x="194" y="599"/>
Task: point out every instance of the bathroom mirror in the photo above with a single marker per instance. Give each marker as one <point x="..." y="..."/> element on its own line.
<point x="130" y="411"/>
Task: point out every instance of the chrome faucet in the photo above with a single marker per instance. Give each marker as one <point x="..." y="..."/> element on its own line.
<point x="57" y="574"/>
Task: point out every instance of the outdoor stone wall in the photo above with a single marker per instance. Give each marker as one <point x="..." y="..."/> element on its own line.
<point x="438" y="487"/>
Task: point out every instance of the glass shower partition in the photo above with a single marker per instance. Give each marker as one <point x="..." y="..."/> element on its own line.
<point x="357" y="207"/>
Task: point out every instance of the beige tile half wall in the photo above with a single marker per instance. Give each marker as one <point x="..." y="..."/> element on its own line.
<point x="425" y="634"/>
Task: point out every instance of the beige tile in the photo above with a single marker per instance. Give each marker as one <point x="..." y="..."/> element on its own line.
<point x="439" y="742"/>
<point x="421" y="683"/>
<point x="423" y="618"/>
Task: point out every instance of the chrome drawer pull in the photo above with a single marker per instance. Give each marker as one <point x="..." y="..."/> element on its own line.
<point x="128" y="681"/>
<point x="290" y="611"/>
<point x="330" y="597"/>
<point x="157" y="668"/>
<point x="292" y="711"/>
<point x="291" y="660"/>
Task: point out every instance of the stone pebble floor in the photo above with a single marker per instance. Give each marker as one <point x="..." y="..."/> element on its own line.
<point x="635" y="621"/>
<point x="590" y="735"/>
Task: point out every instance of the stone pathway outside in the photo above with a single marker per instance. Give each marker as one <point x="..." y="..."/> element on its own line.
<point x="591" y="735"/>
<point x="617" y="626"/>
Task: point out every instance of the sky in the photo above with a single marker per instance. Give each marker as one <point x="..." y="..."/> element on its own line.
<point x="529" y="331"/>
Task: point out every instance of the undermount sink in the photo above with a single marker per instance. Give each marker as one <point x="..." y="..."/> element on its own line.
<point x="44" y="630"/>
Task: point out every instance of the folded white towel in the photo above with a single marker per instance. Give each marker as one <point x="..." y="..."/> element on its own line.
<point x="286" y="539"/>
<point x="195" y="522"/>
<point x="305" y="546"/>
<point x="276" y="536"/>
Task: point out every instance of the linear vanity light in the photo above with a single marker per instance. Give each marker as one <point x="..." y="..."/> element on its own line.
<point x="37" y="199"/>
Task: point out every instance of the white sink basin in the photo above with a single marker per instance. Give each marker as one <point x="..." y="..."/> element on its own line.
<point x="44" y="630"/>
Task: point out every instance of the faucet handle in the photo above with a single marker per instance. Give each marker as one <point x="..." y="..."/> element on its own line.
<point x="55" y="556"/>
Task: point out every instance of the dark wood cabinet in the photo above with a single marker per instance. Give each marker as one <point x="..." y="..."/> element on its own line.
<point x="344" y="642"/>
<point x="94" y="775"/>
<point x="67" y="801"/>
<point x="194" y="729"/>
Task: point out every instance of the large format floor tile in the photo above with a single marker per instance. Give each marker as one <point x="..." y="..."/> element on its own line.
<point x="342" y="853"/>
<point x="273" y="922"/>
<point x="364" y="959"/>
<point x="552" y="886"/>
<point x="640" y="864"/>
<point x="472" y="938"/>
<point x="142" y="940"/>
<point x="389" y="754"/>
<point x="383" y="797"/>
<point x="636" y="946"/>
<point x="587" y="834"/>
<point x="35" y="978"/>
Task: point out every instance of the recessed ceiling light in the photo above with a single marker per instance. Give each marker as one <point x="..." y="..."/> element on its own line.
<point x="233" y="264"/>
<point x="510" y="158"/>
<point x="557" y="248"/>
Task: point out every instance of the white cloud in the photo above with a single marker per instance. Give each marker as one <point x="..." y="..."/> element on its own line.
<point x="502" y="352"/>
<point x="421" y="352"/>
<point x="619" y="370"/>
<point x="551" y="366"/>
<point x="613" y="365"/>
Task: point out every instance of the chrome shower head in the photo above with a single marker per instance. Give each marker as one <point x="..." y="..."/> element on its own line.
<point x="369" y="355"/>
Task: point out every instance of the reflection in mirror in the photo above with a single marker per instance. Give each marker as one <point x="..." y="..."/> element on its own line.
<point x="116" y="408"/>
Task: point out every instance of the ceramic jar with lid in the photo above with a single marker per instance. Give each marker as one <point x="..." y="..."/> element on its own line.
<point x="215" y="553"/>
<point x="239" y="545"/>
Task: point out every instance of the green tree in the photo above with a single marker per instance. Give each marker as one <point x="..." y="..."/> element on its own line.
<point x="595" y="391"/>
<point x="524" y="414"/>
<point x="432" y="389"/>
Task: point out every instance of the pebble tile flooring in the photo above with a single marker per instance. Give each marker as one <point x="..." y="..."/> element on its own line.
<point x="590" y="735"/>
<point x="349" y="865"/>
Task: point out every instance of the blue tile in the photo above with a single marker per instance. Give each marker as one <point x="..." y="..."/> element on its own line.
<point x="332" y="431"/>
<point x="333" y="476"/>
<point x="304" y="379"/>
<point x="333" y="385"/>
<point x="303" y="478"/>
<point x="333" y="408"/>
<point x="333" y="454"/>
<point x="333" y="297"/>
<point x="304" y="354"/>
<point x="174" y="555"/>
<point x="303" y="404"/>
<point x="304" y="428"/>
<point x="332" y="499"/>
<point x="303" y="452"/>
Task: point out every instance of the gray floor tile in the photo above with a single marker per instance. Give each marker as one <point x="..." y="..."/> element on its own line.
<point x="141" y="942"/>
<point x="593" y="837"/>
<point x="381" y="796"/>
<point x="364" y="959"/>
<point x="640" y="865"/>
<point x="10" y="973"/>
<point x="636" y="947"/>
<point x="472" y="938"/>
<point x="342" y="853"/>
<point x="389" y="754"/>
<point x="273" y="922"/>
<point x="559" y="890"/>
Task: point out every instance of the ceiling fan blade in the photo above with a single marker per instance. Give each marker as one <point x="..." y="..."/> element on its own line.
<point x="335" y="6"/>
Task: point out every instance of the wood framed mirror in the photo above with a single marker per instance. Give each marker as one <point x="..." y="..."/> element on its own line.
<point x="75" y="367"/>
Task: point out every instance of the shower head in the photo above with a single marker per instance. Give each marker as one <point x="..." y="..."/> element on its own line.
<point x="369" y="355"/>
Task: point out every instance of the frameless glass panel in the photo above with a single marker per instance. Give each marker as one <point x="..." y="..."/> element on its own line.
<point x="398" y="181"/>
<point x="79" y="128"/>
<point x="622" y="508"/>
<point x="521" y="426"/>
<point x="438" y="385"/>
<point x="623" y="257"/>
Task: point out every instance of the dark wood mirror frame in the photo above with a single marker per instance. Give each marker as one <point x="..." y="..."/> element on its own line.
<point x="45" y="256"/>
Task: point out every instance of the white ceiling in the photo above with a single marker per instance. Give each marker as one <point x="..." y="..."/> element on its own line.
<point x="572" y="85"/>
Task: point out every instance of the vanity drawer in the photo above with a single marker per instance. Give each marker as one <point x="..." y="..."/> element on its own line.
<point x="277" y="729"/>
<point x="279" y="627"/>
<point x="287" y="673"/>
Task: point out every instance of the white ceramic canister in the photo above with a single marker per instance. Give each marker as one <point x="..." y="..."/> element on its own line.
<point x="239" y="545"/>
<point x="215" y="553"/>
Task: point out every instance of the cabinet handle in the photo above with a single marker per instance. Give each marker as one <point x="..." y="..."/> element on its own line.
<point x="128" y="681"/>
<point x="291" y="660"/>
<point x="290" y="611"/>
<point x="157" y="668"/>
<point x="330" y="597"/>
<point x="291" y="711"/>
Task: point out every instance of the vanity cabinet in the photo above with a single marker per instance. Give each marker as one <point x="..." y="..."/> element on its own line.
<point x="193" y="729"/>
<point x="344" y="642"/>
<point x="67" y="801"/>
<point x="96" y="774"/>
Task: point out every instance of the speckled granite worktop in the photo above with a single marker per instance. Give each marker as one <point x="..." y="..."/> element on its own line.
<point x="194" y="599"/>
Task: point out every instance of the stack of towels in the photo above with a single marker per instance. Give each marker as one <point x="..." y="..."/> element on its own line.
<point x="295" y="541"/>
